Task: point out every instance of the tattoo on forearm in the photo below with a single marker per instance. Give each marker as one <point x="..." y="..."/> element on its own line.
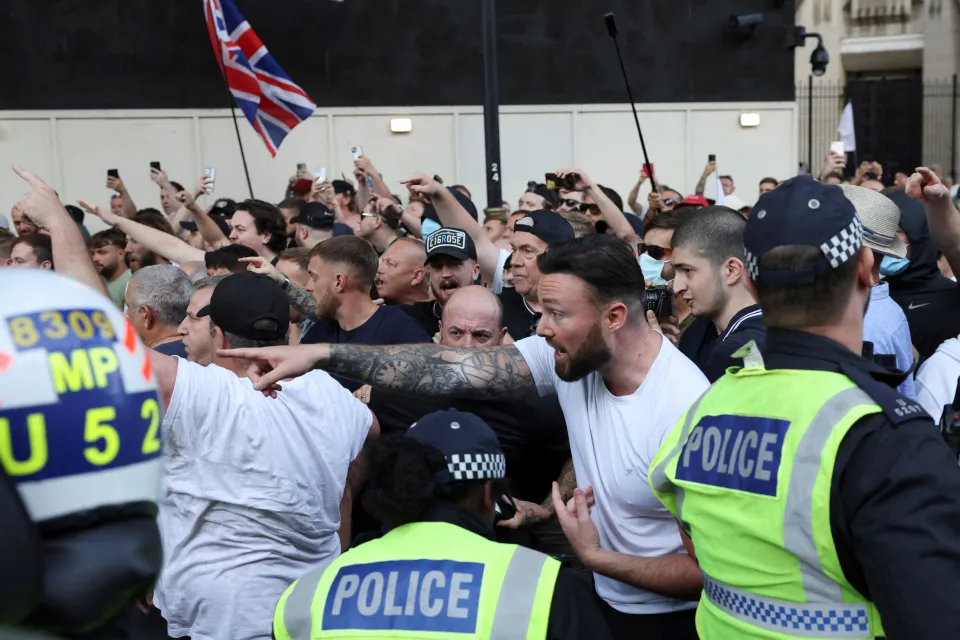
<point x="435" y="370"/>
<point x="701" y="186"/>
<point x="567" y="482"/>
<point x="302" y="300"/>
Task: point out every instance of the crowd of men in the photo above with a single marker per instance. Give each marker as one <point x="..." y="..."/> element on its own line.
<point x="423" y="303"/>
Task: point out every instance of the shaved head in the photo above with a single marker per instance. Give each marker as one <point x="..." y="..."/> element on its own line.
<point x="472" y="318"/>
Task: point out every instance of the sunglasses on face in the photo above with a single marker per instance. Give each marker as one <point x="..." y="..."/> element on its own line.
<point x="587" y="208"/>
<point x="669" y="202"/>
<point x="569" y="202"/>
<point x="655" y="252"/>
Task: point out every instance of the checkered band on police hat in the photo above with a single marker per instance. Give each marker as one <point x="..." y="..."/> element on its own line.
<point x="753" y="266"/>
<point x="845" y="244"/>
<point x="477" y="466"/>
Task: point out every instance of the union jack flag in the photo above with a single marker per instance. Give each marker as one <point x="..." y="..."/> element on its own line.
<point x="273" y="104"/>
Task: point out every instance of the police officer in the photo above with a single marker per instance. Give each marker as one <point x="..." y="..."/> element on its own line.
<point x="438" y="570"/>
<point x="820" y="503"/>
<point x="79" y="458"/>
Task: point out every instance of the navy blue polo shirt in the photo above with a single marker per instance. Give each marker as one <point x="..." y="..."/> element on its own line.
<point x="712" y="352"/>
<point x="388" y="325"/>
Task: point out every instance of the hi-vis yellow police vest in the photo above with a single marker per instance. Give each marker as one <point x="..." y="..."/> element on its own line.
<point x="747" y="472"/>
<point x="423" y="580"/>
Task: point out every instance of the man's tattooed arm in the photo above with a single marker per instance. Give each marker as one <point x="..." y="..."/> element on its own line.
<point x="302" y="300"/>
<point x="567" y="482"/>
<point x="434" y="370"/>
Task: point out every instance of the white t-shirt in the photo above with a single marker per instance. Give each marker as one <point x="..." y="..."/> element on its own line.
<point x="250" y="495"/>
<point x="613" y="441"/>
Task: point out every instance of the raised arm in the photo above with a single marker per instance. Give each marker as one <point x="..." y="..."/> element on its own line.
<point x="452" y="214"/>
<point x="942" y="217"/>
<point x="169" y="246"/>
<point x="380" y="187"/>
<point x="614" y="217"/>
<point x="42" y="206"/>
<point x="418" y="369"/>
<point x="205" y="224"/>
<point x="635" y="206"/>
<point x="707" y="171"/>
<point x="300" y="299"/>
<point x="163" y="181"/>
<point x="129" y="208"/>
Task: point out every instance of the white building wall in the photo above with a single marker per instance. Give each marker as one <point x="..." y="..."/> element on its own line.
<point x="74" y="150"/>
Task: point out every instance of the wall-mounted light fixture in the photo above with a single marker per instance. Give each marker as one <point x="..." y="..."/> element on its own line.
<point x="749" y="120"/>
<point x="401" y="125"/>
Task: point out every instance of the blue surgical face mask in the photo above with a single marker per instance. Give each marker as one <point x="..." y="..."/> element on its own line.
<point x="652" y="270"/>
<point x="891" y="266"/>
<point x="427" y="227"/>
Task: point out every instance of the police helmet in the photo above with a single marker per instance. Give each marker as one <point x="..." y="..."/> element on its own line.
<point x="79" y="454"/>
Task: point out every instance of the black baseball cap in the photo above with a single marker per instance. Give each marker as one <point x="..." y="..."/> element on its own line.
<point x="223" y="207"/>
<point x="449" y="241"/>
<point x="249" y="305"/>
<point x="315" y="215"/>
<point x="546" y="225"/>
<point x="342" y="186"/>
<point x="465" y="440"/>
<point x="806" y="212"/>
<point x="430" y="212"/>
<point x="636" y="223"/>
<point x="190" y="225"/>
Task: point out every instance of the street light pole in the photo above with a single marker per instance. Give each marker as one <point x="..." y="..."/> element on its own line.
<point x="491" y="106"/>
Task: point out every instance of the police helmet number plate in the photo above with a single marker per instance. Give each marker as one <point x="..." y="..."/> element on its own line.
<point x="734" y="452"/>
<point x="410" y="595"/>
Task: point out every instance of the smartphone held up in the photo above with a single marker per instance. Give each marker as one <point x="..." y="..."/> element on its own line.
<point x="210" y="172"/>
<point x="556" y="183"/>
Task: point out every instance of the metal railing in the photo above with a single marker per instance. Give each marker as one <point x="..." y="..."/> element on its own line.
<point x="820" y="105"/>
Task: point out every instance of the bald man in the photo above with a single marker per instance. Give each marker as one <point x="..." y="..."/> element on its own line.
<point x="531" y="431"/>
<point x="472" y="319"/>
<point x="401" y="276"/>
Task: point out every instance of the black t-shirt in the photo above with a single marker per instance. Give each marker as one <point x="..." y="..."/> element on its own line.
<point x="713" y="353"/>
<point x="427" y="314"/>
<point x="531" y="431"/>
<point x="519" y="319"/>
<point x="386" y="326"/>
<point x="894" y="497"/>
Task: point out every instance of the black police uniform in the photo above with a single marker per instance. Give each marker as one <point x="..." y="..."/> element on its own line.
<point x="895" y="495"/>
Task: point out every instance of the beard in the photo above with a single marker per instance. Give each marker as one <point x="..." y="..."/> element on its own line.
<point x="591" y="356"/>
<point x="108" y="270"/>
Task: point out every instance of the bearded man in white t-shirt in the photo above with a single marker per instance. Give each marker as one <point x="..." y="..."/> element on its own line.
<point x="252" y="486"/>
<point x="621" y="386"/>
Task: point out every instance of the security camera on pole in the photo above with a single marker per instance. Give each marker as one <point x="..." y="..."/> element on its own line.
<point x="819" y="60"/>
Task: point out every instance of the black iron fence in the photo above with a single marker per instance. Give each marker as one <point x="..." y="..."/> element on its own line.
<point x="900" y="122"/>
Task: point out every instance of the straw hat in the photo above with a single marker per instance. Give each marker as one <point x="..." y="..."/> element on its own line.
<point x="880" y="217"/>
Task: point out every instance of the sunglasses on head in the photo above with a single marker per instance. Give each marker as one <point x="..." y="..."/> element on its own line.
<point x="655" y="252"/>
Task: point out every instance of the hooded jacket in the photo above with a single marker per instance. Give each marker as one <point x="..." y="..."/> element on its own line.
<point x="930" y="301"/>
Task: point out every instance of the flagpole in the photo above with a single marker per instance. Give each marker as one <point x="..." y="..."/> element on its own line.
<point x="236" y="127"/>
